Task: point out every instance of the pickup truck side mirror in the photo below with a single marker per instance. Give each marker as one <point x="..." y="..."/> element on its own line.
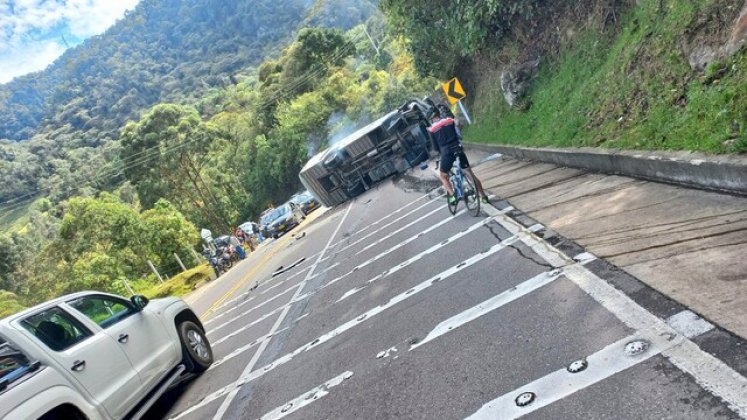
<point x="139" y="301"/>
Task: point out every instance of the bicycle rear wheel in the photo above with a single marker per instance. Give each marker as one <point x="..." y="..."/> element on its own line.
<point x="471" y="198"/>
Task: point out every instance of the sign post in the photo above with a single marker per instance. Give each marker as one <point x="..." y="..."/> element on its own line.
<point x="455" y="93"/>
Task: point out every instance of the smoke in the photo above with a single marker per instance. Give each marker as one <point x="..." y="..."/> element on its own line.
<point x="339" y="126"/>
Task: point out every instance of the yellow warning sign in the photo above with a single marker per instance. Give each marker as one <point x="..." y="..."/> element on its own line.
<point x="454" y="91"/>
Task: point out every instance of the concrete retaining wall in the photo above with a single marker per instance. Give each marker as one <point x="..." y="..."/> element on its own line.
<point x="717" y="173"/>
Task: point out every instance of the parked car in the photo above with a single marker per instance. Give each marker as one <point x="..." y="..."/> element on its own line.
<point x="93" y="355"/>
<point x="281" y="220"/>
<point x="306" y="202"/>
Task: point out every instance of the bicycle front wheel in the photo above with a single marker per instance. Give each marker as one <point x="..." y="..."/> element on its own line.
<point x="471" y="197"/>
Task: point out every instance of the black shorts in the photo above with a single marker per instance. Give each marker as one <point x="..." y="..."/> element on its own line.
<point x="449" y="156"/>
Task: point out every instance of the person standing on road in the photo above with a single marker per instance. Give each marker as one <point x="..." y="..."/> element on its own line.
<point x="446" y="139"/>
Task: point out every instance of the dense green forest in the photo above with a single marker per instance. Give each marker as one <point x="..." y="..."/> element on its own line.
<point x="213" y="161"/>
<point x="163" y="51"/>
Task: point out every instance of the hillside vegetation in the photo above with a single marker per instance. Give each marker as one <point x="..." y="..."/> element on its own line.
<point x="650" y="74"/>
<point x="214" y="162"/>
<point x="163" y="51"/>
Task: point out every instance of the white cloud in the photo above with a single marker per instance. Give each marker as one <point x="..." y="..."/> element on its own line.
<point x="30" y="30"/>
<point x="32" y="57"/>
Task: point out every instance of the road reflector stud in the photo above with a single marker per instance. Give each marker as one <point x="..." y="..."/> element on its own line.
<point x="347" y="375"/>
<point x="636" y="347"/>
<point x="525" y="398"/>
<point x="286" y="408"/>
<point x="578" y="366"/>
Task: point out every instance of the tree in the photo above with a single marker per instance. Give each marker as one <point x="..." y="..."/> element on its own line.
<point x="10" y="261"/>
<point x="164" y="154"/>
<point x="9" y="304"/>
<point x="167" y="232"/>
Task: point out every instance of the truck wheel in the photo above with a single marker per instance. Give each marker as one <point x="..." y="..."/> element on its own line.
<point x="196" y="346"/>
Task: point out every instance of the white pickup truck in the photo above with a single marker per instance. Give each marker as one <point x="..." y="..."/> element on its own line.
<point x="94" y="355"/>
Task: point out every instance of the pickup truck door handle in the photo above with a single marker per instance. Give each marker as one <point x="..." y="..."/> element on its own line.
<point x="79" y="365"/>
<point x="123" y="338"/>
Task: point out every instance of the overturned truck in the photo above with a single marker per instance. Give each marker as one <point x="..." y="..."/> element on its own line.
<point x="390" y="145"/>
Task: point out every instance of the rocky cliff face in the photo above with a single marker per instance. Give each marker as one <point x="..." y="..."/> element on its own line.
<point x="716" y="37"/>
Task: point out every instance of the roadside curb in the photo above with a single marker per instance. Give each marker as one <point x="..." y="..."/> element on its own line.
<point x="726" y="174"/>
<point x="718" y="342"/>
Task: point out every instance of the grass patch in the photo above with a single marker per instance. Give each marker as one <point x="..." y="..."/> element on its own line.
<point x="634" y="90"/>
<point x="179" y="285"/>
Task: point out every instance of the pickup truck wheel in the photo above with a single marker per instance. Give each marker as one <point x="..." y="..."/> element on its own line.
<point x="196" y="346"/>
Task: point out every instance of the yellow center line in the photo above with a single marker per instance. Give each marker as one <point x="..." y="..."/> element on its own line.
<point x="248" y="276"/>
<point x="279" y="245"/>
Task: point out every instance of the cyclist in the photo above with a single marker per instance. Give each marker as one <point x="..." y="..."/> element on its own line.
<point x="446" y="139"/>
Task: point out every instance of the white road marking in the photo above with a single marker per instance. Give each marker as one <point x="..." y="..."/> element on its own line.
<point x="247" y="326"/>
<point x="412" y="259"/>
<point x="396" y="231"/>
<point x="235" y="390"/>
<point x="712" y="374"/>
<point x="499" y="301"/>
<point x="395" y="212"/>
<point x="232" y="300"/>
<point x="306" y="398"/>
<point x="561" y="383"/>
<point x="709" y="372"/>
<point x="243" y="348"/>
<point x="253" y="308"/>
<point x="689" y="324"/>
<point x="268" y="300"/>
<point x="415" y="210"/>
<point x="222" y="314"/>
<point x="247" y="377"/>
<point x="378" y="241"/>
<point x="395" y="268"/>
<point x="490" y="305"/>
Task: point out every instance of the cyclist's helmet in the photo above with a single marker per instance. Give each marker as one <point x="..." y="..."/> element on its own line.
<point x="445" y="111"/>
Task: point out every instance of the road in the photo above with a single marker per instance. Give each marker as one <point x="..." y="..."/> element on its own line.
<point x="390" y="308"/>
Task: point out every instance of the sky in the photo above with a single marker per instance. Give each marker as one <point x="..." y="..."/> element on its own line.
<point x="33" y="33"/>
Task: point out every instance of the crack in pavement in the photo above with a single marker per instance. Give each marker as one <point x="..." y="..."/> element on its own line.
<point x="516" y="248"/>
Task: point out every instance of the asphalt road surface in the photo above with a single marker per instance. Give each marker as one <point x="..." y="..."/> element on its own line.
<point x="390" y="308"/>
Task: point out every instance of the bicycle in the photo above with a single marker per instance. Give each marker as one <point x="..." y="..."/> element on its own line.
<point x="464" y="188"/>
